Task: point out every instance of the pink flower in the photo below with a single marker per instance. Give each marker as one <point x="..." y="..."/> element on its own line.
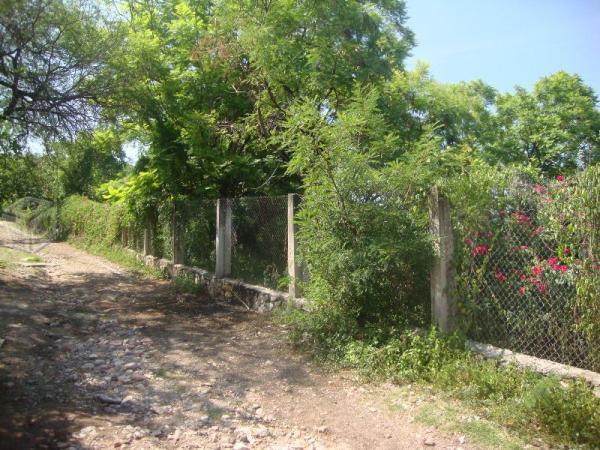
<point x="500" y="276"/>
<point x="540" y="189"/>
<point x="566" y="251"/>
<point x="537" y="271"/>
<point x="523" y="277"/>
<point x="560" y="177"/>
<point x="468" y="241"/>
<point x="553" y="261"/>
<point x="479" y="250"/>
<point x="521" y="218"/>
<point x="542" y="288"/>
<point x="523" y="248"/>
<point x="563" y="268"/>
<point x="522" y="290"/>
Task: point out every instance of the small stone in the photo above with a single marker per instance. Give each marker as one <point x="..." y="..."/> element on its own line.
<point x="107" y="399"/>
<point x="203" y="421"/>
<point x="261" y="432"/>
<point x="429" y="442"/>
<point x="240" y="446"/>
<point x="323" y="429"/>
<point x="138" y="376"/>
<point x="242" y="434"/>
<point x="85" y="432"/>
<point x="138" y="434"/>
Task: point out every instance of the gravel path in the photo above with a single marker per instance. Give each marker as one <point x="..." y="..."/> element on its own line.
<point x="93" y="357"/>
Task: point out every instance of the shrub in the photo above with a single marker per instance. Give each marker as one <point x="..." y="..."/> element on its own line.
<point x="91" y="223"/>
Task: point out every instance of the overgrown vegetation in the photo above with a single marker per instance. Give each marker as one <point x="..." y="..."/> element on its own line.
<point x="567" y="412"/>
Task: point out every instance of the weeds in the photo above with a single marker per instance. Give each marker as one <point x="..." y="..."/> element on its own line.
<point x="186" y="284"/>
<point x="568" y="412"/>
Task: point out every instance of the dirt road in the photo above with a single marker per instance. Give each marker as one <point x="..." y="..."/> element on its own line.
<point x="94" y="357"/>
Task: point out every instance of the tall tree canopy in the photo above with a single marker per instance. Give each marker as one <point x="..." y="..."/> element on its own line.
<point x="556" y="127"/>
<point x="210" y="83"/>
<point x="52" y="71"/>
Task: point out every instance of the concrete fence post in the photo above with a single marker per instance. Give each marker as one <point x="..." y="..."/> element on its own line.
<point x="223" y="240"/>
<point x="124" y="237"/>
<point x="148" y="250"/>
<point x="177" y="238"/>
<point x="293" y="267"/>
<point x="443" y="282"/>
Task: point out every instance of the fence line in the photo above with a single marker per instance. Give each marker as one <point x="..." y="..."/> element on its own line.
<point x="253" y="239"/>
<point x="513" y="288"/>
<point x="518" y="283"/>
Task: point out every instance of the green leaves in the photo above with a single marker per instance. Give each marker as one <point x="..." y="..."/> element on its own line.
<point x="555" y="128"/>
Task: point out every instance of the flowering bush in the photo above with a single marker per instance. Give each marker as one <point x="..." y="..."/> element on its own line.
<point x="529" y="273"/>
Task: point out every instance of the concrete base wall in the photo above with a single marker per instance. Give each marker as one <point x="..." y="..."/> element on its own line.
<point x="256" y="298"/>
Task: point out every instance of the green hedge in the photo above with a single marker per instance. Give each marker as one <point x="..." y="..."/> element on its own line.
<point x="91" y="223"/>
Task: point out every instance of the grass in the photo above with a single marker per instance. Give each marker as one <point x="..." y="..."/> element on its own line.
<point x="451" y="417"/>
<point x="187" y="285"/>
<point x="10" y="258"/>
<point x="120" y="256"/>
<point x="32" y="259"/>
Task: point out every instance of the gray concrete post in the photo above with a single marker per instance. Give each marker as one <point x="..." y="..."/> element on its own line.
<point x="177" y="238"/>
<point x="148" y="239"/>
<point x="223" y="240"/>
<point x="443" y="282"/>
<point x="293" y="267"/>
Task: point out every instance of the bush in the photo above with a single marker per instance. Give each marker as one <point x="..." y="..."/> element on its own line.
<point x="571" y="411"/>
<point x="91" y="223"/>
<point x="367" y="254"/>
<point x="36" y="214"/>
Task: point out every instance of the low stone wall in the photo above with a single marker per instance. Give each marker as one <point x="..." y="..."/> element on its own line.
<point x="256" y="298"/>
<point x="539" y="365"/>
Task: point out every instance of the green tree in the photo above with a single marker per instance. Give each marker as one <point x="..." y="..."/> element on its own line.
<point x="20" y="176"/>
<point x="460" y="113"/>
<point x="208" y="85"/>
<point x="85" y="163"/>
<point x="52" y="71"/>
<point x="556" y="127"/>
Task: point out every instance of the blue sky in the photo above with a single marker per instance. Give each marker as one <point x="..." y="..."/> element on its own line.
<point x="507" y="42"/>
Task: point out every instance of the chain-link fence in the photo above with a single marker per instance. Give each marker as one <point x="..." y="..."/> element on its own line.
<point x="197" y="221"/>
<point x="258" y="236"/>
<point x="259" y="240"/>
<point x="522" y="275"/>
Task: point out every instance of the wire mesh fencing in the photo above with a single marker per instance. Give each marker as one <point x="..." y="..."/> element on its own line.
<point x="162" y="232"/>
<point x="197" y="219"/>
<point x="259" y="240"/>
<point x="522" y="277"/>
